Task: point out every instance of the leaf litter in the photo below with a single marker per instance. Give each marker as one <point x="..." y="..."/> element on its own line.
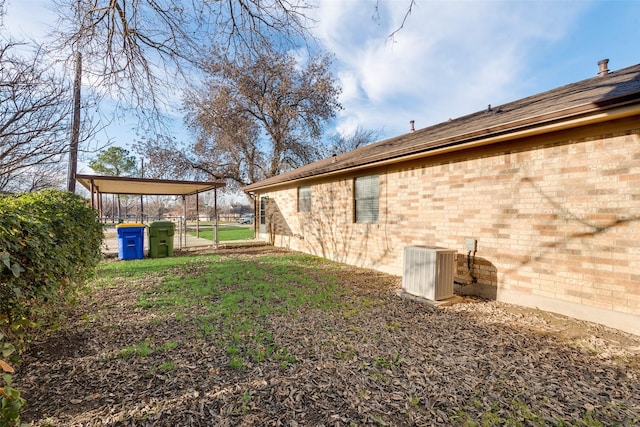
<point x="377" y="359"/>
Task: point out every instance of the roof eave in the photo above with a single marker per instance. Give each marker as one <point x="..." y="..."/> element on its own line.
<point x="558" y="120"/>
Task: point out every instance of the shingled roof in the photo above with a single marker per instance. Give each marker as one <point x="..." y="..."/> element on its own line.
<point x="592" y="99"/>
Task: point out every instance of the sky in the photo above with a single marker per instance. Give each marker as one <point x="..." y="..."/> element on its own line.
<point x="451" y="58"/>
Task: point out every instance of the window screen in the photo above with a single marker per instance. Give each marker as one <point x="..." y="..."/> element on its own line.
<point x="366" y="199"/>
<point x="263" y="210"/>
<point x="304" y="199"/>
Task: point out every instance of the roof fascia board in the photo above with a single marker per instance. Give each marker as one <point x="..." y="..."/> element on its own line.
<point x="149" y="180"/>
<point x="156" y="187"/>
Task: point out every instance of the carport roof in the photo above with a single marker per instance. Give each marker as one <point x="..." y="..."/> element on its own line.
<point x="144" y="186"/>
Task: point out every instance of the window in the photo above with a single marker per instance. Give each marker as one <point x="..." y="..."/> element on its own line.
<point x="366" y="199"/>
<point x="263" y="213"/>
<point x="304" y="199"/>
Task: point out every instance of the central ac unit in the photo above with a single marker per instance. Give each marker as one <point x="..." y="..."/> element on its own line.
<point x="428" y="271"/>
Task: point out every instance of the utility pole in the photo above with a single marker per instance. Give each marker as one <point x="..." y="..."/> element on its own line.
<point x="75" y="131"/>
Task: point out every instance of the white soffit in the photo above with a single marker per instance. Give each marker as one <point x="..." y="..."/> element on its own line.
<point x="144" y="186"/>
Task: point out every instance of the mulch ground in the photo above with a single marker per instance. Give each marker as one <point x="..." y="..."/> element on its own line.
<point x="387" y="361"/>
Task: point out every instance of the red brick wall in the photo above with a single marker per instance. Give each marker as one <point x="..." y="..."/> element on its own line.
<point x="557" y="218"/>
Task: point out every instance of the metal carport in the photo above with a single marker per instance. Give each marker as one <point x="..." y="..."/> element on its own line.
<point x="98" y="185"/>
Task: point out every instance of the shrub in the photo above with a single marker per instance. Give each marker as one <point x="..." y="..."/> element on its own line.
<point x="10" y="399"/>
<point x="49" y="242"/>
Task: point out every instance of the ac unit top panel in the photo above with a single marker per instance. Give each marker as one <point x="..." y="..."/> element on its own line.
<point x="431" y="248"/>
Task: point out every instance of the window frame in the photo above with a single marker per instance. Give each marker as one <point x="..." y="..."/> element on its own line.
<point x="366" y="196"/>
<point x="304" y="200"/>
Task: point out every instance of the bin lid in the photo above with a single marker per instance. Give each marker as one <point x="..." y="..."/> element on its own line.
<point x="130" y="225"/>
<point x="161" y="224"/>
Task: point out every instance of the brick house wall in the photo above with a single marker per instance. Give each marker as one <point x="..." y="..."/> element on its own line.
<point x="556" y="218"/>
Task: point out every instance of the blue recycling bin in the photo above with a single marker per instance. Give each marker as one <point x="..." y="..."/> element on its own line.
<point x="130" y="241"/>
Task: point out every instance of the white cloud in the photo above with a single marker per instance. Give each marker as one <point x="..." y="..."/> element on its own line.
<point x="450" y="58"/>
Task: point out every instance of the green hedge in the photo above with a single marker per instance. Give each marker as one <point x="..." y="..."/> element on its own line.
<point x="49" y="243"/>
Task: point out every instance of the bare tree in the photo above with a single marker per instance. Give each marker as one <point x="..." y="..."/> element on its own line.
<point x="156" y="206"/>
<point x="136" y="49"/>
<point x="258" y="116"/>
<point x="408" y="10"/>
<point x="167" y="158"/>
<point x="343" y="143"/>
<point x="255" y="117"/>
<point x="34" y="116"/>
<point x="35" y="178"/>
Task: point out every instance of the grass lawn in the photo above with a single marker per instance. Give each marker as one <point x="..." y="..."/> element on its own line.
<point x="234" y="297"/>
<point x="261" y="336"/>
<point x="227" y="232"/>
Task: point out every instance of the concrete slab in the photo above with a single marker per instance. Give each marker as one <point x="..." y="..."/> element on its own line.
<point x="436" y="304"/>
<point x="110" y="243"/>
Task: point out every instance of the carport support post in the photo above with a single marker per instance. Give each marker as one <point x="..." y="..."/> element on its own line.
<point x="215" y="214"/>
<point x="92" y="191"/>
<point x="142" y="196"/>
<point x="184" y="216"/>
<point x="197" y="216"/>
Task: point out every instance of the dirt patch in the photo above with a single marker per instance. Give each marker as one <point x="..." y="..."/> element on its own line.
<point x="59" y="347"/>
<point x="378" y="360"/>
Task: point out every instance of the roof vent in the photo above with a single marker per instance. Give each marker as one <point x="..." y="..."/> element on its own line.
<point x="602" y="67"/>
<point x="412" y="123"/>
